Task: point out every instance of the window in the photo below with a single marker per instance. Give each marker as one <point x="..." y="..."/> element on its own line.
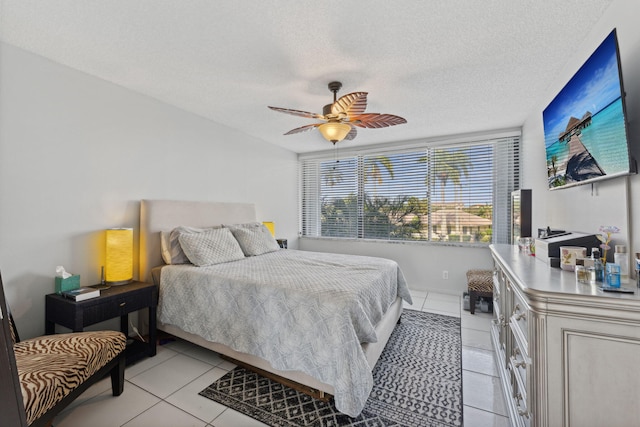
<point x="441" y="192"/>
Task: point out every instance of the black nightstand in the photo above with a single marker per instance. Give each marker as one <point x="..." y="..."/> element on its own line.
<point x="117" y="301"/>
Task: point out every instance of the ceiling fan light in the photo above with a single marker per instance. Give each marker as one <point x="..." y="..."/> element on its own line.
<point x="334" y="131"/>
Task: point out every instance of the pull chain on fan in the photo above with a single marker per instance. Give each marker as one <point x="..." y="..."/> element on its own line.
<point x="342" y="116"/>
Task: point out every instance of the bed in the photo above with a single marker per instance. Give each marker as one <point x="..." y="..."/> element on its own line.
<point x="319" y="320"/>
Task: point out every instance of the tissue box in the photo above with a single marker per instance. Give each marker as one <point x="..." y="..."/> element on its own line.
<point x="68" y="284"/>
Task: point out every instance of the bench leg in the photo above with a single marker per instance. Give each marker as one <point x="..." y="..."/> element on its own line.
<point x="472" y="302"/>
<point x="117" y="376"/>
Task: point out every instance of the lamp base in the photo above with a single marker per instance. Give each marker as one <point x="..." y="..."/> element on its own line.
<point x="100" y="286"/>
<point x="120" y="283"/>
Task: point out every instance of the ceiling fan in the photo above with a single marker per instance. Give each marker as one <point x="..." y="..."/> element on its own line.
<point x="342" y="116"/>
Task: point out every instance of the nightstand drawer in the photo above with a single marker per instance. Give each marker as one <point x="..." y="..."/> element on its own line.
<point x="114" y="307"/>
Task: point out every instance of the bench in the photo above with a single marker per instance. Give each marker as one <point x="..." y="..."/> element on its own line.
<point x="40" y="376"/>
<point x="479" y="284"/>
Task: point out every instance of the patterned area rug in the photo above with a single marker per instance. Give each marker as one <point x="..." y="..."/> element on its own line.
<point x="417" y="382"/>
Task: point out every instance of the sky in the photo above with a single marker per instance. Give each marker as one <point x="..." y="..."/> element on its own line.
<point x="594" y="86"/>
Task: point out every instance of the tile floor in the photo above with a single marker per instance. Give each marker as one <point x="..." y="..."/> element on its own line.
<point x="163" y="390"/>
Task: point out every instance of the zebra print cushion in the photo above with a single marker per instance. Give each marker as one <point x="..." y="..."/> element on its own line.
<point x="50" y="367"/>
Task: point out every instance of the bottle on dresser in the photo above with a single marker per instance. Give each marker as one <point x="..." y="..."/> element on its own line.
<point x="621" y="257"/>
<point x="597" y="264"/>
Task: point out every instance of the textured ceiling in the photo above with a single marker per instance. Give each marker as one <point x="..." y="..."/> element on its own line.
<point x="448" y="67"/>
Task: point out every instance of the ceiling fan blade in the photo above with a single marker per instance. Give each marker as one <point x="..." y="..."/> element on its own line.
<point x="298" y="113"/>
<point x="352" y="134"/>
<point x="303" y="129"/>
<point x="376" y="120"/>
<point x="351" y="104"/>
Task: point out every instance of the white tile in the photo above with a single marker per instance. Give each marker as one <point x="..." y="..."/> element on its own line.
<point x="106" y="410"/>
<point x="203" y="354"/>
<point x="162" y="355"/>
<point x="477" y="418"/>
<point x="227" y="366"/>
<point x="449" y="307"/>
<point x="475" y="321"/>
<point x="179" y="345"/>
<point x="188" y="399"/>
<point x="167" y="377"/>
<point x="483" y="392"/>
<point x="444" y="297"/>
<point x="102" y="386"/>
<point x="479" y="360"/>
<point x="475" y="338"/>
<point x="444" y="313"/>
<point x="418" y="294"/>
<point x="165" y="415"/>
<point x="231" y="418"/>
<point x="417" y="304"/>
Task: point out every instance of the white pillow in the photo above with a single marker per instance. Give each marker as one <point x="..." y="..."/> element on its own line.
<point x="254" y="239"/>
<point x="172" y="252"/>
<point x="209" y="247"/>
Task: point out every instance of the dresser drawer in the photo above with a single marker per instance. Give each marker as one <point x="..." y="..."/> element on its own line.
<point x="520" y="364"/>
<point x="523" y="412"/>
<point x="519" y="319"/>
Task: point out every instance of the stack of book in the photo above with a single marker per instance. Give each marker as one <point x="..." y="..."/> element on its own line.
<point x="81" y="294"/>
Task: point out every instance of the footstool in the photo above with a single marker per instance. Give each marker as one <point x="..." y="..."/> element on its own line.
<point x="479" y="284"/>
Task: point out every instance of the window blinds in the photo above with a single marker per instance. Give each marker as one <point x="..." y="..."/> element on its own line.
<point x="444" y="192"/>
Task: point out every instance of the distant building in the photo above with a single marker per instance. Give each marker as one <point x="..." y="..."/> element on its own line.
<point x="451" y="224"/>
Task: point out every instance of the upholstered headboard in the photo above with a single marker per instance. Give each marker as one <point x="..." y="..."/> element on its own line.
<point x="165" y="215"/>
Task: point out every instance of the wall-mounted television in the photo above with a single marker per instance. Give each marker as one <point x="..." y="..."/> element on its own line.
<point x="585" y="126"/>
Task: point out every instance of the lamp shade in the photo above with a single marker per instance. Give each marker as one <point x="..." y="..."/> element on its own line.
<point x="119" y="256"/>
<point x="271" y="227"/>
<point x="334" y="131"/>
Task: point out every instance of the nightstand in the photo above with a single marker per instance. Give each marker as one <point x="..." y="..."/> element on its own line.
<point x="282" y="243"/>
<point x="117" y="301"/>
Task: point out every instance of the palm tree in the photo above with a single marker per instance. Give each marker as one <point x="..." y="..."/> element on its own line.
<point x="553" y="169"/>
<point x="373" y="168"/>
<point x="448" y="165"/>
<point x="332" y="176"/>
<point x="451" y="165"/>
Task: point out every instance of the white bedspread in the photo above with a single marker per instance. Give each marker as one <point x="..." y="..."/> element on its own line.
<point x="299" y="310"/>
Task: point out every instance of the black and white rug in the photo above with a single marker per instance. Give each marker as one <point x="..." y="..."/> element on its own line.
<point x="417" y="382"/>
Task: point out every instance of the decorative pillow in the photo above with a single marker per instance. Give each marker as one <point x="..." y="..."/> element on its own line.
<point x="209" y="247"/>
<point x="172" y="252"/>
<point x="254" y="239"/>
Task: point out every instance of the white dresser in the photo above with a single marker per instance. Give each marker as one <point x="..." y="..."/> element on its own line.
<point x="568" y="353"/>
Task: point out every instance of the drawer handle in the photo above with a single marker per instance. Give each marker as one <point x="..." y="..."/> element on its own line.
<point x="520" y="316"/>
<point x="499" y="321"/>
<point x="122" y="304"/>
<point x="521" y="412"/>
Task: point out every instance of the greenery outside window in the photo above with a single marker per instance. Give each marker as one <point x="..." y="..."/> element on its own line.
<point x="439" y="192"/>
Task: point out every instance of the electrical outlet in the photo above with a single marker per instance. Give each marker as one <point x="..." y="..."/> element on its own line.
<point x="445" y="274"/>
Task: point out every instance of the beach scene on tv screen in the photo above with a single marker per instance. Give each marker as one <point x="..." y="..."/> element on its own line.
<point x="584" y="126"/>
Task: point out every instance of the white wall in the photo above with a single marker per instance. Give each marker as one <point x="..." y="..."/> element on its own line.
<point x="78" y="153"/>
<point x="613" y="202"/>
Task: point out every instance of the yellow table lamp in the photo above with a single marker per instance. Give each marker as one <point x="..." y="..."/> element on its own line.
<point x="119" y="256"/>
